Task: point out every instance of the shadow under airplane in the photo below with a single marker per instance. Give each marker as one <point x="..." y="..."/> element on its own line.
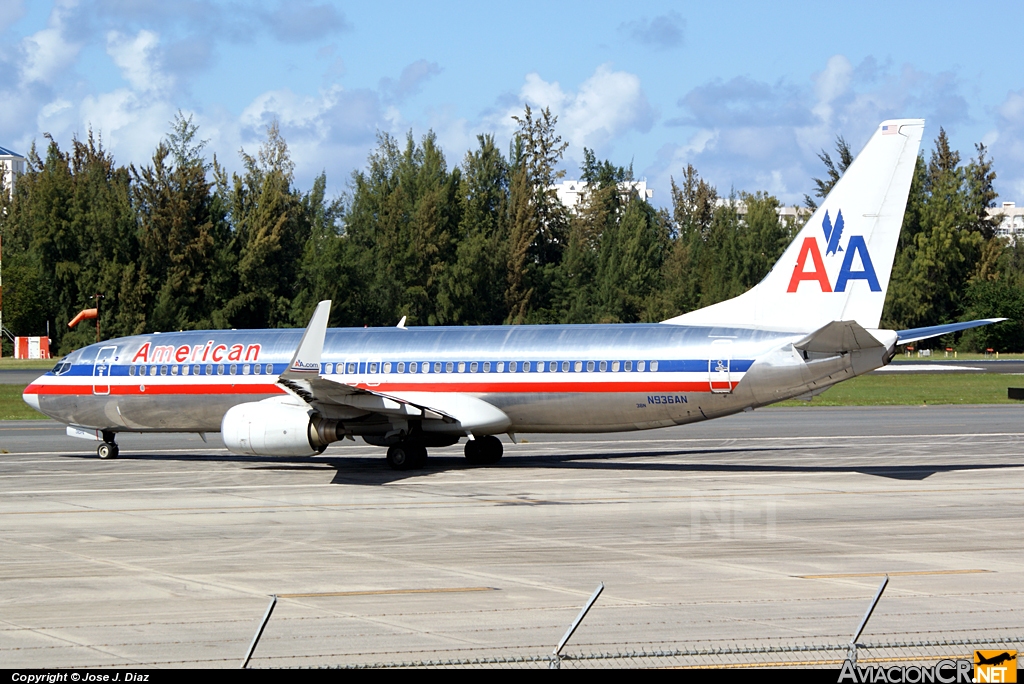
<point x="372" y="470"/>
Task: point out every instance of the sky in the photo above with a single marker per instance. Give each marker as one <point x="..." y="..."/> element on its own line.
<point x="747" y="92"/>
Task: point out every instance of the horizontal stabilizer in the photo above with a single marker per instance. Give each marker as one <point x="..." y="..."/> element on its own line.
<point x="915" y="334"/>
<point x="838" y="337"/>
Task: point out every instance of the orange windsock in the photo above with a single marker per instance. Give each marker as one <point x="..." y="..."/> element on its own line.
<point x="85" y="315"/>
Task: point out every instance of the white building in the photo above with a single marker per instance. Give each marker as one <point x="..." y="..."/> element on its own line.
<point x="12" y="165"/>
<point x="1010" y="220"/>
<point x="571" y="192"/>
<point x="795" y="214"/>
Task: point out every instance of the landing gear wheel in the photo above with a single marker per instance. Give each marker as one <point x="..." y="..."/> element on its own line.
<point x="419" y="455"/>
<point x="484" y="450"/>
<point x="403" y="457"/>
<point x="107" y="450"/>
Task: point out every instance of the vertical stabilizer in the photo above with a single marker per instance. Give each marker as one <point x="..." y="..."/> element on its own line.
<point x="838" y="267"/>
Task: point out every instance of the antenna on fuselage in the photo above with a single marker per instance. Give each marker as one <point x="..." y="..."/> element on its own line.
<point x="401" y="323"/>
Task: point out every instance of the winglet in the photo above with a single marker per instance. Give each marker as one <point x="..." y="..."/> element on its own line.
<point x="306" y="361"/>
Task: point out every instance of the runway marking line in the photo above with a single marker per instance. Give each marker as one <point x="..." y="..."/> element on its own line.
<point x="894" y="574"/>
<point x="405" y="504"/>
<point x="390" y="592"/>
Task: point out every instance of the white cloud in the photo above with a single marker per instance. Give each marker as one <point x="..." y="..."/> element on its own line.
<point x="138" y="60"/>
<point x="607" y="105"/>
<point x="10" y="12"/>
<point x="131" y="125"/>
<point x="47" y="54"/>
<point x="1006" y="143"/>
<point x="761" y="135"/>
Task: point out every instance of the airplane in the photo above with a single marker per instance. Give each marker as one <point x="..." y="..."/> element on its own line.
<point x="810" y="323"/>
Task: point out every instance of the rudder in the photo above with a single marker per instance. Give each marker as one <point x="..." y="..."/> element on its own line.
<point x="838" y="267"/>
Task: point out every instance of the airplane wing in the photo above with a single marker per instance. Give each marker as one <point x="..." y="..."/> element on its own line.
<point x="452" y="412"/>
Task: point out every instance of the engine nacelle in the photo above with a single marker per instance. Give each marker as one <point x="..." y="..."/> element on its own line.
<point x="276" y="427"/>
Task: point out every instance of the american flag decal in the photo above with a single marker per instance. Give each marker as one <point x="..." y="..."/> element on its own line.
<point x="890" y="130"/>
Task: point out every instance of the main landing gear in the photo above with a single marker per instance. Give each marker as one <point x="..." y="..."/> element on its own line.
<point x="406" y="456"/>
<point x="109" y="447"/>
<point x="484" y="450"/>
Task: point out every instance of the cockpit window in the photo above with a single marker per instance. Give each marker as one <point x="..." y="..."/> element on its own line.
<point x="61" y="368"/>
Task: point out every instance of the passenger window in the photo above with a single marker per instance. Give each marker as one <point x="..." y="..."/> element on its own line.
<point x="640" y="365"/>
<point x="437" y="366"/>
<point x="590" y="366"/>
<point x="448" y="367"/>
<point x="220" y="369"/>
<point x="131" y="370"/>
<point x="615" y="366"/>
<point x="245" y="369"/>
<point x="163" y="370"/>
<point x="526" y="366"/>
<point x="232" y="369"/>
<point x="553" y="366"/>
<point x="654" y="366"/>
<point x="629" y="366"/>
<point x="500" y="366"/>
<point x="603" y="366"/>
<point x="413" y="367"/>
<point x="184" y="370"/>
<point x="401" y="366"/>
<point x="174" y="370"/>
<point x="565" y="366"/>
<point x="387" y="366"/>
<point x="209" y="370"/>
<point x="578" y="366"/>
<point x="373" y="367"/>
<point x="462" y="367"/>
<point x="473" y="367"/>
<point x="350" y="368"/>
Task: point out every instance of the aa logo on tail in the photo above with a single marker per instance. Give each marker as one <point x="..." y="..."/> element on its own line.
<point x="855" y="247"/>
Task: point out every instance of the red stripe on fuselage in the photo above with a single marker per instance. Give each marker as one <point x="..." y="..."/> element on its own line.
<point x="136" y="390"/>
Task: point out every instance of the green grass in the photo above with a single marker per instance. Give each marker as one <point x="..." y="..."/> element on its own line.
<point x="13" y="407"/>
<point x="915" y="389"/>
<point x="938" y="355"/>
<point x="8" y="363"/>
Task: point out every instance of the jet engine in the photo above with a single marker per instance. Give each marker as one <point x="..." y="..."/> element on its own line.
<point x="279" y="426"/>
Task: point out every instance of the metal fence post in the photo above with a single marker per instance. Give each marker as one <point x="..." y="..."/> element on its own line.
<point x="259" y="632"/>
<point x="852" y="650"/>
<point x="556" y="661"/>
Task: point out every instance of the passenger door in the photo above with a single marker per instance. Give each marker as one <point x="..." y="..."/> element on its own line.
<point x="719" y="376"/>
<point x="101" y="370"/>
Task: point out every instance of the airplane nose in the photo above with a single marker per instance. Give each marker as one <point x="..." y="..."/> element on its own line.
<point x="32" y="400"/>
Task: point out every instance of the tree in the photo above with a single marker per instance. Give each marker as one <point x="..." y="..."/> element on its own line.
<point x="944" y="244"/>
<point x="269" y="234"/>
<point x="538" y="220"/>
<point x="833" y="169"/>
<point x="472" y="291"/>
<point x="177" y="218"/>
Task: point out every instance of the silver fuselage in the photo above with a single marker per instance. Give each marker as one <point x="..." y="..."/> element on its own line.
<point x="553" y="378"/>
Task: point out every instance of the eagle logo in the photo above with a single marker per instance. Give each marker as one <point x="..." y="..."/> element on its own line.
<point x="833" y="233"/>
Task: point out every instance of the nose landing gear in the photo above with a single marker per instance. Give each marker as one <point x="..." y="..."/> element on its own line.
<point x="108" y="449"/>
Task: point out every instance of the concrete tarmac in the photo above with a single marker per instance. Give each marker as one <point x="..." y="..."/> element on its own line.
<point x="771" y="526"/>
